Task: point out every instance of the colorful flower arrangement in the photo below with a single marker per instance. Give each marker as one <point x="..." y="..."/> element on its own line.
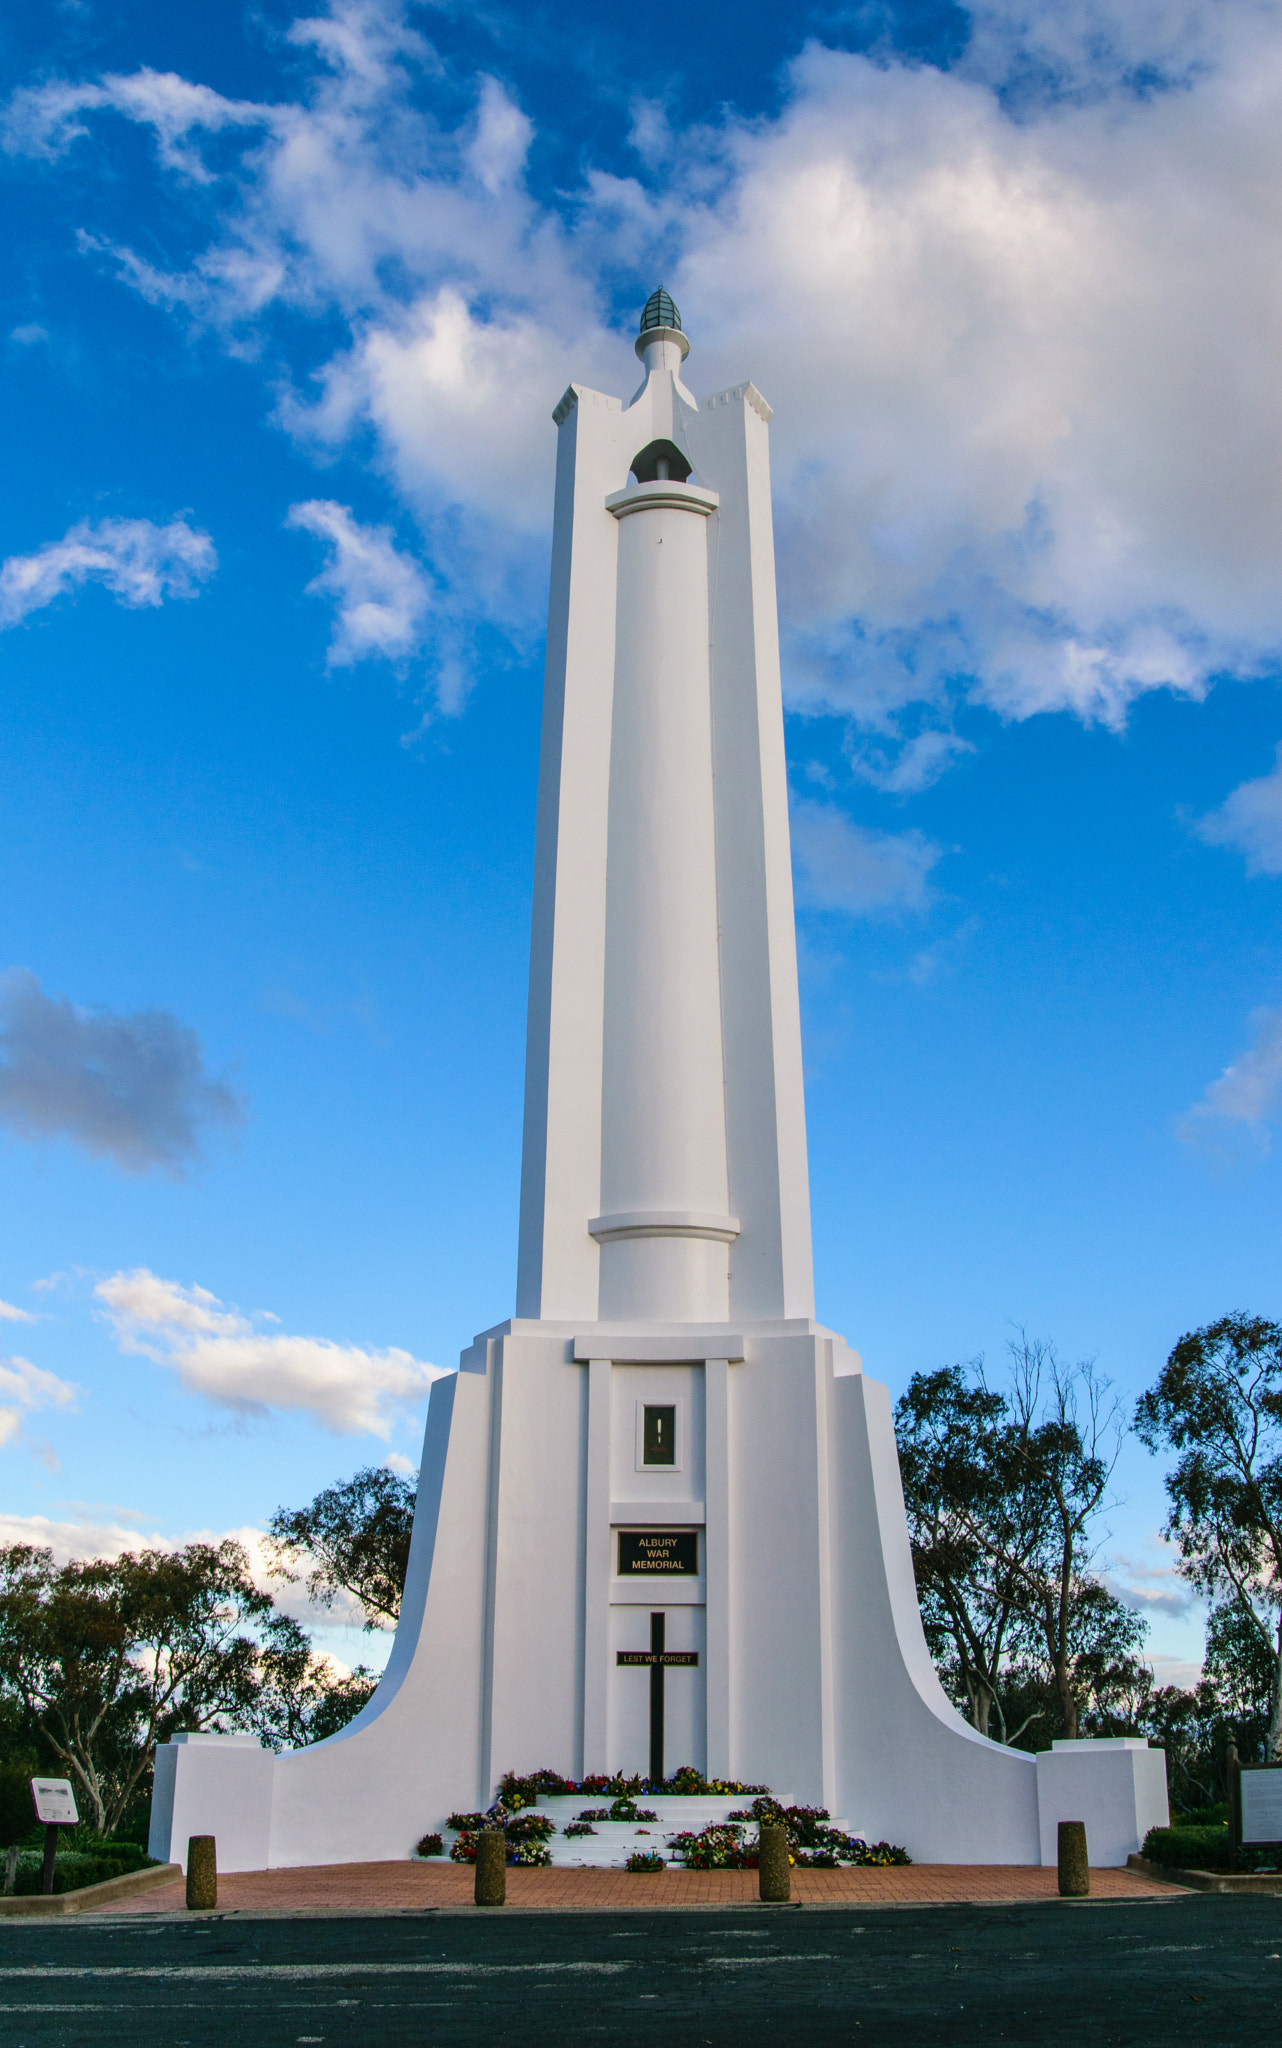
<point x="526" y="1835"/>
<point x="813" y="1842"/>
<point x="645" y="1859"/>
<point x="520" y="1790"/>
<point x="531" y="1852"/>
<point x="719" y="1847"/>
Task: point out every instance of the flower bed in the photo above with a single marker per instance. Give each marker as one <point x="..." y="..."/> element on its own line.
<point x="532" y="1852"/>
<point x="720" y="1847"/>
<point x="813" y="1843"/>
<point x="729" y="1844"/>
<point x="516" y="1791"/>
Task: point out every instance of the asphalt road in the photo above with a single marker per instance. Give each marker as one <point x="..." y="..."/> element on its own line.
<point x="1187" y="1970"/>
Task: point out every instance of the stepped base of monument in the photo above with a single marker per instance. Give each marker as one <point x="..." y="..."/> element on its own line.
<point x="614" y="1841"/>
<point x="375" y="1888"/>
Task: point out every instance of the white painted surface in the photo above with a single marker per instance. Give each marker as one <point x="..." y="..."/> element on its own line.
<point x="219" y="1785"/>
<point x="614" y="1841"/>
<point x="664" y="1036"/>
<point x="1116" y="1785"/>
<point x="664" y="1254"/>
<point x="663" y="1113"/>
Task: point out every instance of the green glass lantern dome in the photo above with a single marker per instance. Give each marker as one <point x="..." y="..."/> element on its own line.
<point x="660" y="311"/>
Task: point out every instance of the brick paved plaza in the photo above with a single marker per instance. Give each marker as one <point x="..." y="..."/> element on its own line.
<point x="393" y="1887"/>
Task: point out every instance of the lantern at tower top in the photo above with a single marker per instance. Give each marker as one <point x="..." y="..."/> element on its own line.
<point x="661" y="323"/>
<point x="660" y="311"/>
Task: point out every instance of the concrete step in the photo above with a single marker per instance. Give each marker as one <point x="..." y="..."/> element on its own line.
<point x="616" y="1840"/>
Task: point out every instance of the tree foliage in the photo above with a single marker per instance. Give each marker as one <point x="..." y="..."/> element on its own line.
<point x="113" y="1656"/>
<point x="1218" y="1405"/>
<point x="300" y="1698"/>
<point x="101" y="1661"/>
<point x="1004" y="1492"/>
<point x="354" y="1538"/>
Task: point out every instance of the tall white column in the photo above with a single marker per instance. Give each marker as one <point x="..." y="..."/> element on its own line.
<point x="664" y="1228"/>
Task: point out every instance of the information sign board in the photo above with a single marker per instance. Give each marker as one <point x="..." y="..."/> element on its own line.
<point x="1261" y="1795"/>
<point x="55" y="1801"/>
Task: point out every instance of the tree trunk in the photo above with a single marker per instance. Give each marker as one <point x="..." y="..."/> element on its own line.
<point x="1274" y="1746"/>
<point x="983" y="1707"/>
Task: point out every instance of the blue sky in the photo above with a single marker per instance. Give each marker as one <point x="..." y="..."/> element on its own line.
<point x="288" y="300"/>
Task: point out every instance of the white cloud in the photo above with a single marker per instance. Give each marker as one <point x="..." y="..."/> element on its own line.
<point x="10" y="1314"/>
<point x="1088" y="48"/>
<point x="87" y="1534"/>
<point x="502" y="140"/>
<point x="25" y="1387"/>
<point x="217" y="1353"/>
<point x="848" y="867"/>
<point x="381" y="596"/>
<point x="128" y="1088"/>
<point x="1185" y="1672"/>
<point x="1250" y="819"/>
<point x="137" y="561"/>
<point x="44" y="120"/>
<point x="1151" y="1587"/>
<point x="1017" y="321"/>
<point x="913" y="767"/>
<point x="942" y="955"/>
<point x="1235" y="1111"/>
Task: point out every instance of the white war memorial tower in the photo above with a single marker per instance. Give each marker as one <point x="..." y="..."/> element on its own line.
<point x="662" y="1454"/>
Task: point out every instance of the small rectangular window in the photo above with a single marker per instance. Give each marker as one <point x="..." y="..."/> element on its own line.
<point x="659" y="1436"/>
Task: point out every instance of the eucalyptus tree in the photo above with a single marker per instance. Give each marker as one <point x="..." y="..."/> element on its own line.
<point x="1005" y="1492"/>
<point x="111" y="1656"/>
<point x="353" y="1539"/>
<point x="1218" y="1406"/>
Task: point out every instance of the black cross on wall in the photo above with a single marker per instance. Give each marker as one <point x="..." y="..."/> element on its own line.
<point x="657" y="1658"/>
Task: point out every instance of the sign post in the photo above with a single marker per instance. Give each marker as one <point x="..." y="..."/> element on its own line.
<point x="55" y="1804"/>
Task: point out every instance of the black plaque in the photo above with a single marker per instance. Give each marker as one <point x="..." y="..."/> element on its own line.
<point x="652" y="1552"/>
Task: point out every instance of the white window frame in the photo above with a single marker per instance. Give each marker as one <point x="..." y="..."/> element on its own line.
<point x="677" y="1402"/>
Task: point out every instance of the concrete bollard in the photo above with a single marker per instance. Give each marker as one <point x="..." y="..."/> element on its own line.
<point x="491" y="1867"/>
<point x="774" y="1872"/>
<point x="202" y="1873"/>
<point x="1074" y="1869"/>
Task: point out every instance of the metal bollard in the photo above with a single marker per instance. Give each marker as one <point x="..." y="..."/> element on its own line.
<point x="774" y="1872"/>
<point x="1074" y="1869"/>
<point x="491" y="1867"/>
<point x="202" y="1873"/>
